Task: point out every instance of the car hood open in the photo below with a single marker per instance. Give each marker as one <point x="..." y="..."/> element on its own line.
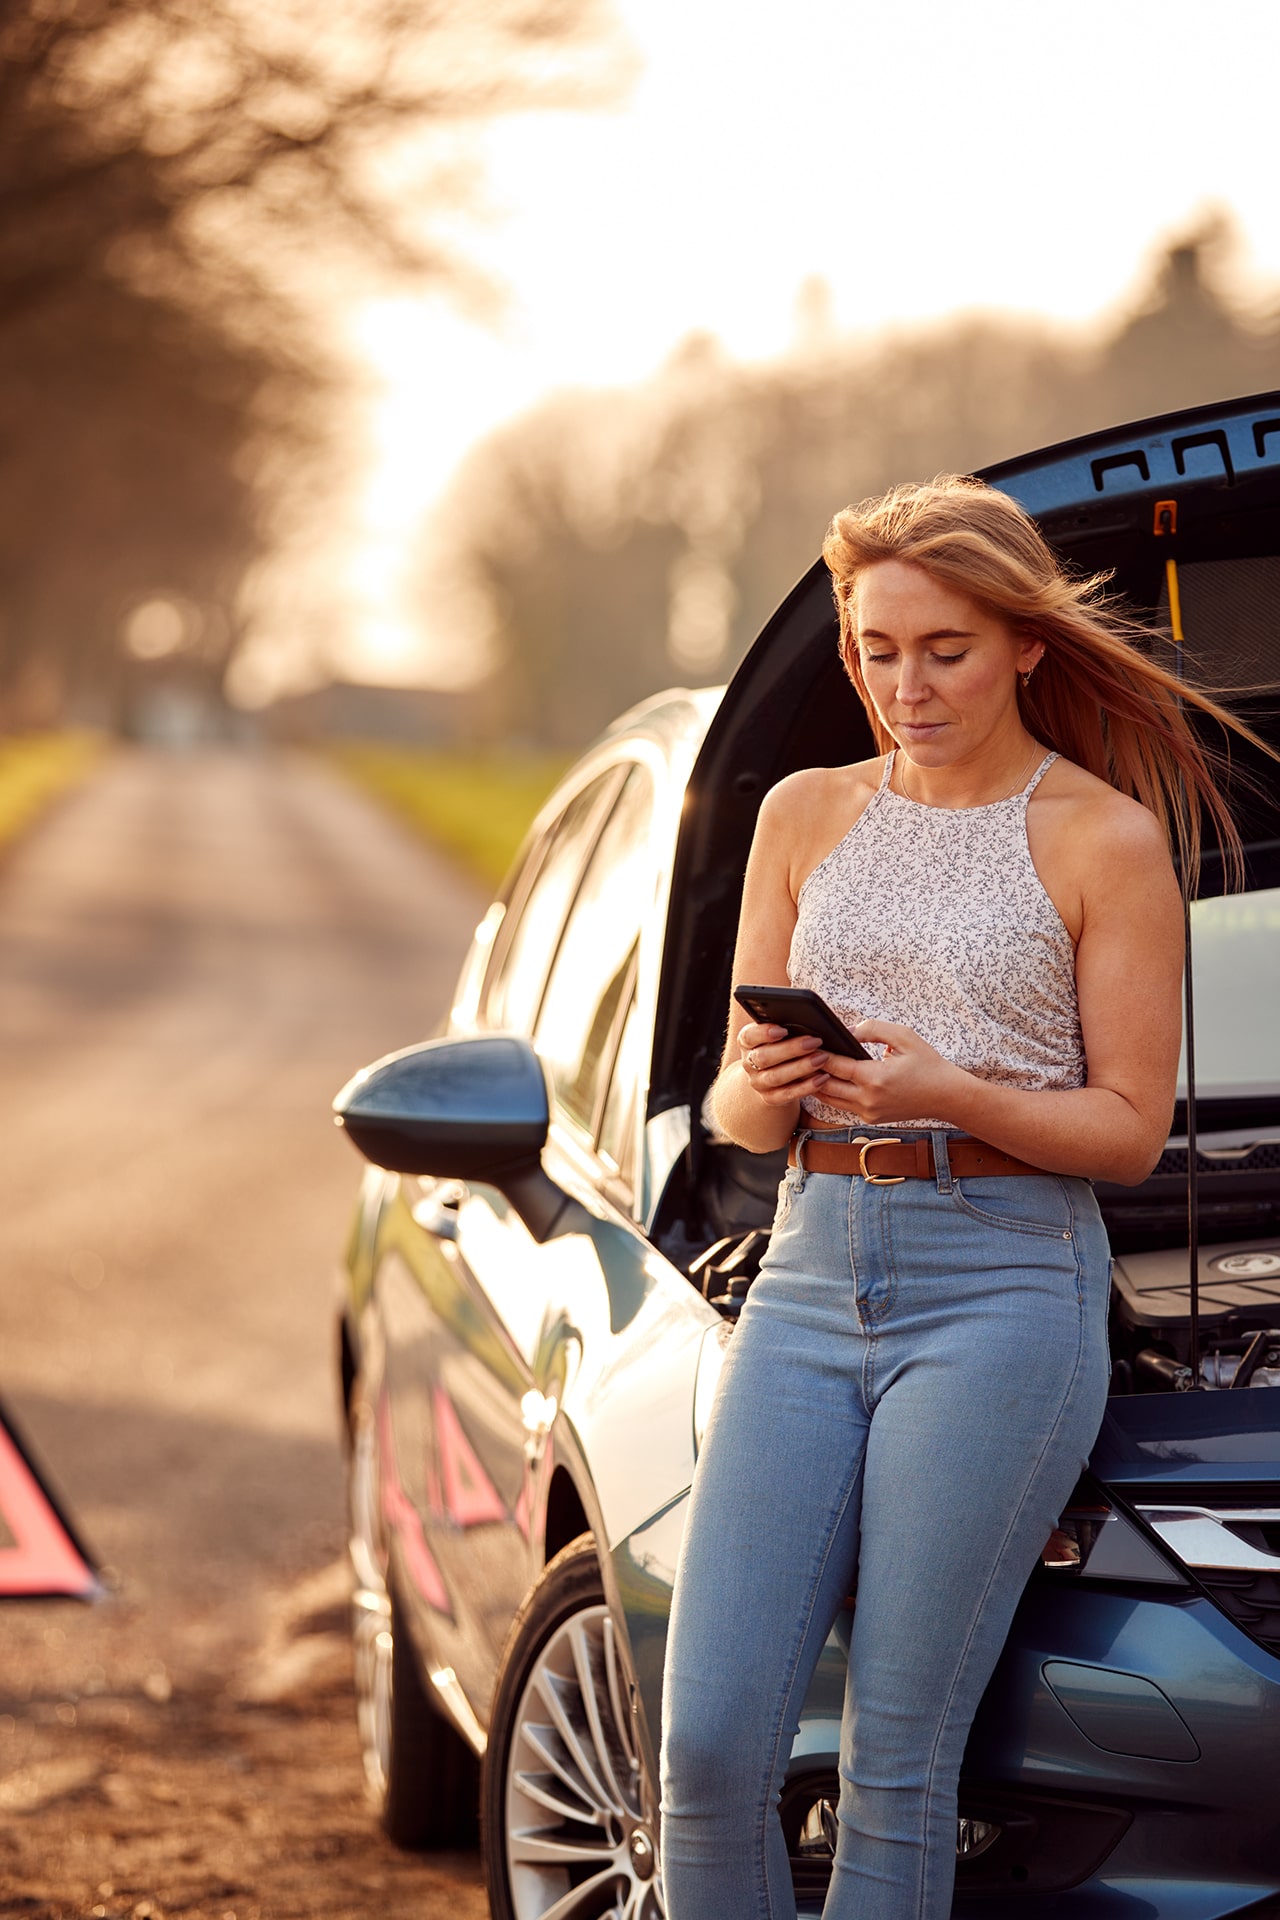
<point x="790" y="704"/>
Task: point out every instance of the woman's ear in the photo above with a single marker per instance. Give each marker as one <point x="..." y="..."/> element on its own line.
<point x="1030" y="653"/>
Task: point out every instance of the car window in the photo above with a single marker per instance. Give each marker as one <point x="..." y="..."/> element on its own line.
<point x="620" y="1102"/>
<point x="594" y="965"/>
<point x="515" y="986"/>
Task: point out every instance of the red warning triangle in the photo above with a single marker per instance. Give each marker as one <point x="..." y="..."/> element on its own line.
<point x="38" y="1556"/>
<point x="399" y="1512"/>
<point x="470" y="1497"/>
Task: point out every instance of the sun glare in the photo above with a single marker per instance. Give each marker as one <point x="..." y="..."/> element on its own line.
<point x="920" y="163"/>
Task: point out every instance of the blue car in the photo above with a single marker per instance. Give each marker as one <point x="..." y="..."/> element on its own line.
<point x="550" y="1251"/>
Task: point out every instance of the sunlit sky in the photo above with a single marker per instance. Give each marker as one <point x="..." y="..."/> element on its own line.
<point x="994" y="154"/>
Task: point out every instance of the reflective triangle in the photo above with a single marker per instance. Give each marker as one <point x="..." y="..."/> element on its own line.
<point x="470" y="1497"/>
<point x="38" y="1555"/>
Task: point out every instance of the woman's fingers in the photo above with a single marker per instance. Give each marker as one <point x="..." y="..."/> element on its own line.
<point x="886" y="1033"/>
<point x="780" y="1065"/>
<point x="780" y="1069"/>
<point x="754" y="1033"/>
<point x="776" y="1092"/>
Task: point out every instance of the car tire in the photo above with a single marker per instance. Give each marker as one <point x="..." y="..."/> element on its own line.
<point x="421" y="1775"/>
<point x="567" y="1812"/>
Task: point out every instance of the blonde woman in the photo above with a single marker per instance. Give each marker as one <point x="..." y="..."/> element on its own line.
<point x="919" y="1374"/>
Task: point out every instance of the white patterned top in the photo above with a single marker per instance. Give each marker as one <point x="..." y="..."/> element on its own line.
<point x="937" y="918"/>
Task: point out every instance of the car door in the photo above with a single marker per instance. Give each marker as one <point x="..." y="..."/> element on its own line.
<point x="478" y="1340"/>
<point x="455" y="1481"/>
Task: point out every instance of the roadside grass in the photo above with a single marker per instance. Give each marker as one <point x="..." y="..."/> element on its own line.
<point x="475" y="806"/>
<point x="35" y="768"/>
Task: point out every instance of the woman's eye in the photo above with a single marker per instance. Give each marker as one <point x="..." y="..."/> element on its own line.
<point x="876" y="659"/>
<point x="950" y="659"/>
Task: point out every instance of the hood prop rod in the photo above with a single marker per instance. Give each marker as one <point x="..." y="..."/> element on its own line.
<point x="1166" y="527"/>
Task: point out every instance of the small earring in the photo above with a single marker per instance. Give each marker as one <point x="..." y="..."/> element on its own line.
<point x="1026" y="678"/>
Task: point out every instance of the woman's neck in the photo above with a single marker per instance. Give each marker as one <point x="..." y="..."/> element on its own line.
<point x="997" y="773"/>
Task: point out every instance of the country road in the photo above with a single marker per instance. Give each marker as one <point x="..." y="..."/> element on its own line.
<point x="195" y="951"/>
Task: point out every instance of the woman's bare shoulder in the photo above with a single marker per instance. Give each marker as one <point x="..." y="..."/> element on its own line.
<point x="817" y="793"/>
<point x="1100" y="824"/>
<point x="809" y="813"/>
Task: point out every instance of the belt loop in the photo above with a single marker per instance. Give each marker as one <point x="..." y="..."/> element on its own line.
<point x="941" y="1161"/>
<point x="800" y="1135"/>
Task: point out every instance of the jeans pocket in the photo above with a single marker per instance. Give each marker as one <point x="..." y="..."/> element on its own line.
<point x="1037" y="1204"/>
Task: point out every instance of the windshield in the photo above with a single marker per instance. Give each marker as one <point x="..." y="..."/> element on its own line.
<point x="1235" y="944"/>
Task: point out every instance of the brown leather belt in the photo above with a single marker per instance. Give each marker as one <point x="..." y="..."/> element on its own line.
<point x="897" y="1160"/>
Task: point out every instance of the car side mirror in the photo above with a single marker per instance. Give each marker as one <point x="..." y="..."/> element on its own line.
<point x="473" y="1108"/>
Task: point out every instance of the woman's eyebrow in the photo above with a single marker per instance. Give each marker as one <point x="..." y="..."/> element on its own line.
<point x="938" y="633"/>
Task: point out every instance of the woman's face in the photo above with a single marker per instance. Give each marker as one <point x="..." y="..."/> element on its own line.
<point x="940" y="672"/>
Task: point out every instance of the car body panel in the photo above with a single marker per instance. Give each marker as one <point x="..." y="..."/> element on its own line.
<point x="1230" y="1438"/>
<point x="505" y="1357"/>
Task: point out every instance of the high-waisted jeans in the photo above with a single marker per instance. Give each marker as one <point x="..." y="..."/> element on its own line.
<point x="915" y="1384"/>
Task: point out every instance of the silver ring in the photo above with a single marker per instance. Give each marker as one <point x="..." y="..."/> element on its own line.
<point x="749" y="1061"/>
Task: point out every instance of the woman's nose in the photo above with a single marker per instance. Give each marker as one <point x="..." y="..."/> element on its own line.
<point x="912" y="685"/>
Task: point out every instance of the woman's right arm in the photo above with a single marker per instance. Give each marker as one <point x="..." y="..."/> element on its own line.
<point x="761" y="1110"/>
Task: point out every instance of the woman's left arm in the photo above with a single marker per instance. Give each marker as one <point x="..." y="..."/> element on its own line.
<point x="1128" y="973"/>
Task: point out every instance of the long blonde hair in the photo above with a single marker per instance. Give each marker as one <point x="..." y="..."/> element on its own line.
<point x="1097" y="697"/>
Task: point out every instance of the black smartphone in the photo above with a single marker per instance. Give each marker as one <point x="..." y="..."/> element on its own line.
<point x="800" y="1010"/>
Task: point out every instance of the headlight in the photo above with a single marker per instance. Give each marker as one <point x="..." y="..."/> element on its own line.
<point x="1219" y="1536"/>
<point x="1096" y="1542"/>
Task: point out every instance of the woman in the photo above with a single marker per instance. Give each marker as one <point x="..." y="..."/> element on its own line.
<point x="920" y="1369"/>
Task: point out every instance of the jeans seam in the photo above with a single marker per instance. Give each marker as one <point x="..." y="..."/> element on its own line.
<point x="890" y="1266"/>
<point x="806" y="1622"/>
<point x="866" y="1323"/>
<point x="1075" y="1242"/>
<point x="870" y="1312"/>
<point x="986" y="1591"/>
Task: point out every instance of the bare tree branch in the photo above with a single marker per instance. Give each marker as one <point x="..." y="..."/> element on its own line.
<point x="176" y="176"/>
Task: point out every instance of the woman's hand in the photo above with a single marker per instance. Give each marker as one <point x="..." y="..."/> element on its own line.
<point x="780" y="1071"/>
<point x="911" y="1079"/>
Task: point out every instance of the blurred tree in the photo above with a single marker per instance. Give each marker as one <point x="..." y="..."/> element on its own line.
<point x="606" y="544"/>
<point x="561" y="589"/>
<point x="182" y="184"/>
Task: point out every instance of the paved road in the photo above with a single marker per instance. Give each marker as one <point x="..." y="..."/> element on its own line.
<point x="195" y="951"/>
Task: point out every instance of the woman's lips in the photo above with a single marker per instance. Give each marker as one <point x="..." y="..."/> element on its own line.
<point x="921" y="729"/>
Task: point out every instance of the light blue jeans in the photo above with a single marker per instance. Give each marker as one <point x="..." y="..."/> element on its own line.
<point x="915" y="1384"/>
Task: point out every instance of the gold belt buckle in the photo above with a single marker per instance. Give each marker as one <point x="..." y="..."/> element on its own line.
<point x="879" y="1179"/>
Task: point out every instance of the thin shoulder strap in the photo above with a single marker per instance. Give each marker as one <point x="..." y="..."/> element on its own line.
<point x="887" y="775"/>
<point x="1038" y="775"/>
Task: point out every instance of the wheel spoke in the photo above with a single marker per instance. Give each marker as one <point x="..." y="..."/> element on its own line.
<point x="581" y="1902"/>
<point x="540" y="1788"/>
<point x="621" y="1706"/>
<point x="531" y="1847"/>
<point x="557" y="1693"/>
<point x="645" y="1902"/>
<point x="552" y="1750"/>
<point x="588" y="1660"/>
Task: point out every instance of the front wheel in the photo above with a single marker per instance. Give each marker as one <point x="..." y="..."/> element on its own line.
<point x="565" y="1822"/>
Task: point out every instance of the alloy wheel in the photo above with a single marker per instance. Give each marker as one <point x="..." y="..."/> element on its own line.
<point x="580" y="1844"/>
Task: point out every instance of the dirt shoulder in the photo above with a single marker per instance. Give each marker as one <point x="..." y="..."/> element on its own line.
<point x="196" y="951"/>
<point x="230" y="1795"/>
